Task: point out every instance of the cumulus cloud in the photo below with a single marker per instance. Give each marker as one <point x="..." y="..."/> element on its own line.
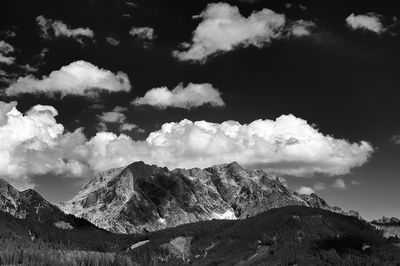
<point x="369" y="21"/>
<point x="112" y="41"/>
<point x="5" y="50"/>
<point x="78" y="78"/>
<point x="60" y="29"/>
<point x="112" y="117"/>
<point x="395" y="139"/>
<point x="128" y="127"/>
<point x="249" y="1"/>
<point x="288" y="145"/>
<point x="299" y="6"/>
<point x="34" y="143"/>
<point x="223" y="29"/>
<point x="302" y="28"/>
<point x="319" y="186"/>
<point x="142" y="33"/>
<point x="339" y="183"/>
<point x="116" y="116"/>
<point x="305" y="190"/>
<point x="191" y="96"/>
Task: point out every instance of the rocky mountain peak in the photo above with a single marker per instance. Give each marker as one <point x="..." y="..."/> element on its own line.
<point x="29" y="204"/>
<point x="142" y="197"/>
<point x="386" y="221"/>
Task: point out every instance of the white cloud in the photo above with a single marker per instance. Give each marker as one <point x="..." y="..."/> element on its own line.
<point x="223" y="29"/>
<point x="191" y="96"/>
<point x="120" y="109"/>
<point x="302" y="28"/>
<point x="8" y="60"/>
<point x="116" y="116"/>
<point x="5" y="50"/>
<point x="395" y="139"/>
<point x="319" y="186"/>
<point x="339" y="183"/>
<point x="60" y="29"/>
<point x="305" y="190"/>
<point x="78" y="78"/>
<point x="128" y="127"/>
<point x="288" y="145"/>
<point x="5" y="47"/>
<point x="112" y="117"/>
<point x="369" y="21"/>
<point x="34" y="143"/>
<point x="142" y="33"/>
<point x="131" y="3"/>
<point x="249" y="1"/>
<point x="101" y="127"/>
<point x="112" y="41"/>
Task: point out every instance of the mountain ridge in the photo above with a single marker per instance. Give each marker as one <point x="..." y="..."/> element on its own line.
<point x="29" y="204"/>
<point x="140" y="197"/>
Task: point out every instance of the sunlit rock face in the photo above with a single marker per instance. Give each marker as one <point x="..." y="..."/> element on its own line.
<point x="140" y="197"/>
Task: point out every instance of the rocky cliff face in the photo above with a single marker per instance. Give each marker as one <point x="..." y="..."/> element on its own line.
<point x="31" y="205"/>
<point x="24" y="204"/>
<point x="140" y="197"/>
<point x="387" y="221"/>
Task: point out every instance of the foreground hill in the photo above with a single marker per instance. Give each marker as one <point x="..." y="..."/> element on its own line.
<point x="141" y="198"/>
<point x="294" y="235"/>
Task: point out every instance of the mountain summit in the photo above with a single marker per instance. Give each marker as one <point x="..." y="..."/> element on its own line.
<point x="140" y="197"/>
<point x="25" y="204"/>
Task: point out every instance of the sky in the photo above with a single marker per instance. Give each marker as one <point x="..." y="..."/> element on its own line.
<point x="307" y="90"/>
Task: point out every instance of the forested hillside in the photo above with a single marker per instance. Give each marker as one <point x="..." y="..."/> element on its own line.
<point x="287" y="236"/>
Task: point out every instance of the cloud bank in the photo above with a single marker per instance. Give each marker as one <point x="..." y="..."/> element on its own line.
<point x="367" y="22"/>
<point x="191" y="96"/>
<point x="78" y="78"/>
<point x="35" y="143"/>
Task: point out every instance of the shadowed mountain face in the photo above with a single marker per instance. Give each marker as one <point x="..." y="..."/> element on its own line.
<point x="141" y="197"/>
<point x="25" y="204"/>
<point x="29" y="204"/>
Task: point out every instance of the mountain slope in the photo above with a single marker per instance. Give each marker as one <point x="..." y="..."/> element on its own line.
<point x="29" y="204"/>
<point x="140" y="197"/>
<point x="293" y="235"/>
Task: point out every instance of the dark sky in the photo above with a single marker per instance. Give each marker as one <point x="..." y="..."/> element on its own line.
<point x="344" y="81"/>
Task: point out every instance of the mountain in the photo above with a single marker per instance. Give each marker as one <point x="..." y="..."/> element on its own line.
<point x="387" y="221"/>
<point x="140" y="198"/>
<point x="31" y="205"/>
<point x="389" y="226"/>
